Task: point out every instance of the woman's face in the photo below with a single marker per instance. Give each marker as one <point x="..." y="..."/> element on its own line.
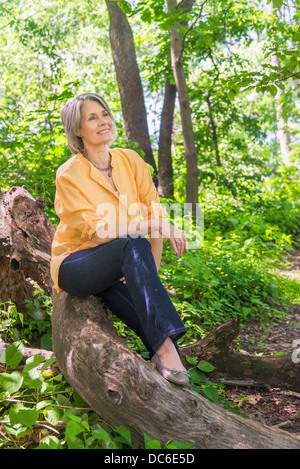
<point x="96" y="125"/>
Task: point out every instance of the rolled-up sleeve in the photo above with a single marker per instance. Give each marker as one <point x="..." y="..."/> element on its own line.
<point x="74" y="209"/>
<point x="148" y="194"/>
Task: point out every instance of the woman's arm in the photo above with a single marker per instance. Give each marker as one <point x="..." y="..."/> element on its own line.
<point x="156" y="227"/>
<point x="109" y="232"/>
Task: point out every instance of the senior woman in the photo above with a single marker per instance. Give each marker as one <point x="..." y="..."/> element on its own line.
<point x="107" y="204"/>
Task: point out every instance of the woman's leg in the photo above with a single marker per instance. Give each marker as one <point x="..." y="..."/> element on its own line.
<point x="119" y="301"/>
<point x="143" y="303"/>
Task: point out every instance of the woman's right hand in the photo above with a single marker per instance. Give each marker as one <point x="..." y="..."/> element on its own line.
<point x="176" y="237"/>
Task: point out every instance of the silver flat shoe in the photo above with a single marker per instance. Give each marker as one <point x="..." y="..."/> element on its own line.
<point x="175" y="376"/>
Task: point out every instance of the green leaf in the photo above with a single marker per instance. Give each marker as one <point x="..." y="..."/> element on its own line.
<point x="24" y="416"/>
<point x="196" y="376"/>
<point x="28" y="417"/>
<point x="48" y="363"/>
<point x="13" y="354"/>
<point x="277" y="3"/>
<point x="273" y="90"/>
<point x="151" y="444"/>
<point x="125" y="6"/>
<point x="46" y="341"/>
<point x="125" y="433"/>
<point x="33" y="378"/>
<point x="74" y="443"/>
<point x="101" y="434"/>
<point x="34" y="361"/>
<point x="11" y="382"/>
<point x="192" y="360"/>
<point x="205" y="366"/>
<point x="211" y="394"/>
<point x="50" y="442"/>
<point x="63" y="401"/>
<point x="42" y="404"/>
<point x="52" y="416"/>
<point x="78" y="401"/>
<point x="179" y="445"/>
<point x="73" y="429"/>
<point x="17" y="430"/>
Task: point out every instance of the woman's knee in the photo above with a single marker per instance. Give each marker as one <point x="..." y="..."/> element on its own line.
<point x="138" y="241"/>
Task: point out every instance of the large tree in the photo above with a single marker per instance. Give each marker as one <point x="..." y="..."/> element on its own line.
<point x="283" y="130"/>
<point x="184" y="101"/>
<point x="129" y="81"/>
<point x="165" y="168"/>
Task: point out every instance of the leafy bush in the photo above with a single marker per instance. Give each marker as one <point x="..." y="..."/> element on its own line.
<point x="35" y="399"/>
<point x="247" y="235"/>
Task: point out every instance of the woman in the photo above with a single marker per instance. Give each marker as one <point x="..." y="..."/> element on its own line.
<point x="107" y="204"/>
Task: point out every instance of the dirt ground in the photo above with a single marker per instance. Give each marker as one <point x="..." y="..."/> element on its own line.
<point x="273" y="407"/>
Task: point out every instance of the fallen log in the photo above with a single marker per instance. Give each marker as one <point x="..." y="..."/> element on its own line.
<point x="25" y="246"/>
<point x="125" y="389"/>
<point x="240" y="369"/>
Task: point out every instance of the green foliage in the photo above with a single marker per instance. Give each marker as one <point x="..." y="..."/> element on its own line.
<point x="9" y="319"/>
<point x="38" y="319"/>
<point x="53" y="51"/>
<point x="201" y="384"/>
<point x="34" y="324"/>
<point x="34" y="398"/>
<point x="250" y="224"/>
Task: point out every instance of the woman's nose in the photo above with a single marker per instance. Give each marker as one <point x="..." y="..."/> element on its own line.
<point x="103" y="120"/>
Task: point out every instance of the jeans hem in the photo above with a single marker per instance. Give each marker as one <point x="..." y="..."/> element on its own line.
<point x="174" y="334"/>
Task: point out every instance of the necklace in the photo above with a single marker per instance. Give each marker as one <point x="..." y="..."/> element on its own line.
<point x="104" y="169"/>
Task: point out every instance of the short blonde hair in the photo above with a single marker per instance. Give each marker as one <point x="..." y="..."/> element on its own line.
<point x="71" y="116"/>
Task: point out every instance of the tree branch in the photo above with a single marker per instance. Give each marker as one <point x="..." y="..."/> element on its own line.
<point x="191" y="27"/>
<point x="262" y="82"/>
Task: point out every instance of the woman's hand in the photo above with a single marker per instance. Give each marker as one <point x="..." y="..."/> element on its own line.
<point x="176" y="237"/>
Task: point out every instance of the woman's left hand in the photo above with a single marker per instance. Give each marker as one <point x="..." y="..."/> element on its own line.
<point x="178" y="240"/>
<point x="123" y="280"/>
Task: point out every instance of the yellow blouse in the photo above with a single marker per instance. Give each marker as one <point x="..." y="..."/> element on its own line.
<point x="85" y="201"/>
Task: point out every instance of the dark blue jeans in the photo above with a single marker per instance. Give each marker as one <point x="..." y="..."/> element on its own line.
<point x="142" y="303"/>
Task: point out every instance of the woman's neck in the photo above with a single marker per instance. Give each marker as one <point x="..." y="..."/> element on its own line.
<point x="99" y="156"/>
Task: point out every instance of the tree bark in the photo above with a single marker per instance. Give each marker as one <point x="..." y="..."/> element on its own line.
<point x="165" y="169"/>
<point x="129" y="81"/>
<point x="213" y="130"/>
<point x="283" y="130"/>
<point x="25" y="246"/>
<point x="125" y="389"/>
<point x="240" y="369"/>
<point x="185" y="111"/>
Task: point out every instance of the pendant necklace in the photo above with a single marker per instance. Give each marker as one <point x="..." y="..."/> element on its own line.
<point x="105" y="169"/>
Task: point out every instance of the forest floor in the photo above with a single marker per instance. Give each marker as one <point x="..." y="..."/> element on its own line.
<point x="272" y="407"/>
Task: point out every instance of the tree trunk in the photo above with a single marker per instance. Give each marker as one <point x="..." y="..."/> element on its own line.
<point x="25" y="246"/>
<point x="129" y="82"/>
<point x="165" y="169"/>
<point x="185" y="111"/>
<point x="283" y="130"/>
<point x="125" y="389"/>
<point x="213" y="130"/>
